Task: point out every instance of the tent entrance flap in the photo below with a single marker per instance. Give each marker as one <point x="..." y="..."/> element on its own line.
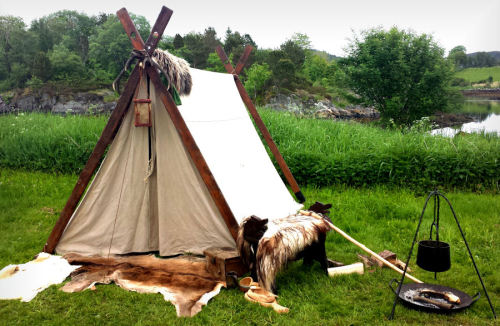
<point x="130" y="207"/>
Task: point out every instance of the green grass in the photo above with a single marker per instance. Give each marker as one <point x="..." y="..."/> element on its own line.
<point x="322" y="152"/>
<point x="379" y="217"/>
<point x="475" y="75"/>
<point x="319" y="152"/>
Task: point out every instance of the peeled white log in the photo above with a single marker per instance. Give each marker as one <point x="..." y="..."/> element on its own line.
<point x="348" y="269"/>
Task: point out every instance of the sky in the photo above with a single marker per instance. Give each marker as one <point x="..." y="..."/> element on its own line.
<point x="329" y="24"/>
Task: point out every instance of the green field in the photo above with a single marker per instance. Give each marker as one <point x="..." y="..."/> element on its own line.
<point x="379" y="217"/>
<point x="475" y="75"/>
<point x="319" y="152"/>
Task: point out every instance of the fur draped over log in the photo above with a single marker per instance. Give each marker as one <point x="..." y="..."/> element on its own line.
<point x="283" y="239"/>
<point x="177" y="70"/>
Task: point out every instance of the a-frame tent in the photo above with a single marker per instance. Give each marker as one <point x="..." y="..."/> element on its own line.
<point x="183" y="184"/>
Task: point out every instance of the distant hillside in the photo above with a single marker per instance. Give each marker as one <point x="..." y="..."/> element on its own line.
<point x="326" y="55"/>
<point x="494" y="54"/>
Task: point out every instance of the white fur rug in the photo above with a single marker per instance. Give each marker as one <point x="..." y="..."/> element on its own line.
<point x="23" y="282"/>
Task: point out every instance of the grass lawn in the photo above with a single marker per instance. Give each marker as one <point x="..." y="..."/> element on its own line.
<point x="474" y="75"/>
<point x="379" y="217"/>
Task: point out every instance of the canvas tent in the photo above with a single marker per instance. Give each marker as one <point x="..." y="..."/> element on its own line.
<point x="182" y="185"/>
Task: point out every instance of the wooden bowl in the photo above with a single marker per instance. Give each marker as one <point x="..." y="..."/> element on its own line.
<point x="245" y="283"/>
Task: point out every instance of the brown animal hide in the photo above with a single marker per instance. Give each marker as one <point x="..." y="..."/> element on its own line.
<point x="185" y="283"/>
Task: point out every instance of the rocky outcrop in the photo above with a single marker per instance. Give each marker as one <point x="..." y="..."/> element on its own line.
<point x="3" y="106"/>
<point x="78" y="103"/>
<point x="321" y="109"/>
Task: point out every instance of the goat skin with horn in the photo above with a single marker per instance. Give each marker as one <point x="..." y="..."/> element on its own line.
<point x="266" y="246"/>
<point x="176" y="70"/>
<point x="185" y="283"/>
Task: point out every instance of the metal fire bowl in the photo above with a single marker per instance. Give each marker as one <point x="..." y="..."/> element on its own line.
<point x="405" y="295"/>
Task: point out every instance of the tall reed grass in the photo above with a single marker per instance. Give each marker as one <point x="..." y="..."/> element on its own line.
<point x="319" y="152"/>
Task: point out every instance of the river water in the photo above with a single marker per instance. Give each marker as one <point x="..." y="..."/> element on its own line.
<point x="486" y="114"/>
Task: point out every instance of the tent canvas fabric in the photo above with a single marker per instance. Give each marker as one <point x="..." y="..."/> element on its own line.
<point x="141" y="201"/>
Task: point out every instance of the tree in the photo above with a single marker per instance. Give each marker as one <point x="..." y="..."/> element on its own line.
<point x="294" y="52"/>
<point x="110" y="47"/>
<point x="301" y="40"/>
<point x="66" y="65"/>
<point x="15" y="52"/>
<point x="214" y="63"/>
<point x="178" y="41"/>
<point x="404" y="75"/>
<point x="257" y="77"/>
<point x="458" y="56"/>
<point x="42" y="68"/>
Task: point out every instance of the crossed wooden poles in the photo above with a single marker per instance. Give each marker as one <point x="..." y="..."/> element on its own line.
<point x="120" y="110"/>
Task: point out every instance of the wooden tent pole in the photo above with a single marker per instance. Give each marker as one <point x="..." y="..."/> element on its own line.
<point x="364" y="248"/>
<point x="194" y="152"/>
<point x="114" y="121"/>
<point x="257" y="119"/>
<point x="107" y="136"/>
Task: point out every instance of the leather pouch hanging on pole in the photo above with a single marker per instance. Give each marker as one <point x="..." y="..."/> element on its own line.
<point x="142" y="109"/>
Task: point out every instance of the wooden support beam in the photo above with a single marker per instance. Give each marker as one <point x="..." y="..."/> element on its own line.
<point x="225" y="60"/>
<point x="194" y="152"/>
<point x="130" y="29"/>
<point x="260" y="124"/>
<point x="106" y="138"/>
<point x="158" y="28"/>
<point x="243" y="59"/>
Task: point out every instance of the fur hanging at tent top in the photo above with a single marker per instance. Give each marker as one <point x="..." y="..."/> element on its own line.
<point x="175" y="69"/>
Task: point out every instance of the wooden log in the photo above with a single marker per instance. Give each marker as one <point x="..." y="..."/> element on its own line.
<point x="357" y="268"/>
<point x="194" y="152"/>
<point x="362" y="246"/>
<point x="262" y="127"/>
<point x="107" y="136"/>
<point x="442" y="305"/>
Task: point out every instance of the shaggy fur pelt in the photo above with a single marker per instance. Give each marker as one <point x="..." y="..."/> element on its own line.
<point x="185" y="283"/>
<point x="282" y="240"/>
<point x="177" y="70"/>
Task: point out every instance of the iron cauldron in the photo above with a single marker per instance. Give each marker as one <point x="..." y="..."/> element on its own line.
<point x="433" y="256"/>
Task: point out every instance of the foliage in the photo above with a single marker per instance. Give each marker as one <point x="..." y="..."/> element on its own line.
<point x="458" y="56"/>
<point x="318" y="152"/>
<point x="15" y="52"/>
<point x="378" y="217"/>
<point x="257" y="77"/>
<point x="110" y="46"/>
<point x="402" y="74"/>
<point x="66" y="65"/>
<point x="481" y="59"/>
